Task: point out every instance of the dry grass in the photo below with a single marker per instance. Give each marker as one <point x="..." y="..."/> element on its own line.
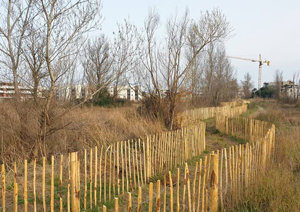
<point x="78" y="129"/>
<point x="279" y="188"/>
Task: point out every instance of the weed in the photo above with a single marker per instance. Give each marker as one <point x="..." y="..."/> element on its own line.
<point x="238" y="139"/>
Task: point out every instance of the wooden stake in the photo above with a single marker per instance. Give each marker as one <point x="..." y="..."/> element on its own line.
<point x="178" y="186"/>
<point x="189" y="188"/>
<point x="116" y="204"/>
<point x="140" y="163"/>
<point x="43" y="184"/>
<point x="150" y="196"/>
<point x="129" y="164"/>
<point x="129" y="206"/>
<point x="203" y="183"/>
<point x="52" y="183"/>
<point x="184" y="188"/>
<point x="221" y="182"/>
<point x="145" y="164"/>
<point x="68" y="198"/>
<point x="96" y="175"/>
<point x="165" y="194"/>
<point x="16" y="197"/>
<point x="104" y="173"/>
<point x="75" y="198"/>
<point x="25" y="187"/>
<point x="34" y="185"/>
<point x="137" y="165"/>
<point x="139" y="209"/>
<point x="194" y="188"/>
<point x="123" y="168"/>
<point x="3" y="187"/>
<point x="85" y="180"/>
<point x="91" y="178"/>
<point x="110" y="175"/>
<point x="214" y="183"/>
<point x="133" y="163"/>
<point x="171" y="192"/>
<point x="60" y="183"/>
<point x="199" y="185"/>
<point x="158" y="196"/>
<point x="126" y="166"/>
<point x="118" y="168"/>
<point x="100" y="175"/>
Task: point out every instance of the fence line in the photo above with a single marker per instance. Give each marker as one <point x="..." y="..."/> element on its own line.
<point x="107" y="171"/>
<point x="219" y="181"/>
<point x="192" y="117"/>
<point x="85" y="179"/>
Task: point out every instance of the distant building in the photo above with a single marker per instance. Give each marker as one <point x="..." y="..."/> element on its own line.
<point x="287" y="88"/>
<point x="7" y="90"/>
<point x="72" y="92"/>
<point x="240" y="93"/>
<point x="132" y="93"/>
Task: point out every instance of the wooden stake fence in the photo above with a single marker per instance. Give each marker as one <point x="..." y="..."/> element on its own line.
<point x="126" y="165"/>
<point x="221" y="181"/>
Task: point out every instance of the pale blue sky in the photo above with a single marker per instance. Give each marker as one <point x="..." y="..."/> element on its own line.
<point x="270" y="28"/>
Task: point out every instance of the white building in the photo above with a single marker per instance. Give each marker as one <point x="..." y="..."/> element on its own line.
<point x="127" y="92"/>
<point x="7" y="90"/>
<point x="72" y="92"/>
<point x="287" y="88"/>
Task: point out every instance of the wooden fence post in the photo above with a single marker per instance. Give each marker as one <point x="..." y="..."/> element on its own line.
<point x="214" y="183"/>
<point x="139" y="209"/>
<point x="150" y="196"/>
<point x="158" y="196"/>
<point x="75" y="191"/>
<point x="264" y="154"/>
<point x="25" y="187"/>
<point x="34" y="184"/>
<point x="3" y="187"/>
<point x="226" y="125"/>
<point x="116" y="204"/>
<point x="129" y="207"/>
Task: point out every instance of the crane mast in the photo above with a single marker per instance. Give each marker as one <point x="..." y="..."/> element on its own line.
<point x="260" y="63"/>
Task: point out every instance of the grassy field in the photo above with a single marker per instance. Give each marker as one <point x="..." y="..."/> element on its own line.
<point x="79" y="129"/>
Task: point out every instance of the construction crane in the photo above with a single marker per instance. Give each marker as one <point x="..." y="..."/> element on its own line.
<point x="260" y="63"/>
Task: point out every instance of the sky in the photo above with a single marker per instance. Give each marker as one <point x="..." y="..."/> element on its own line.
<point x="266" y="27"/>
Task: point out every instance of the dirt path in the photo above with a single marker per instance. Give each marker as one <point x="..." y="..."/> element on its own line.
<point x="214" y="140"/>
<point x="260" y="110"/>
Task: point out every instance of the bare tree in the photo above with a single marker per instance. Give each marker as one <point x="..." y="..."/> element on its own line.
<point x="219" y="81"/>
<point x="97" y="62"/>
<point x="296" y="85"/>
<point x="247" y="85"/>
<point x="34" y="59"/>
<point x="278" y="78"/>
<point x="65" y="24"/>
<point x="12" y="33"/>
<point x="125" y="50"/>
<point x="166" y="64"/>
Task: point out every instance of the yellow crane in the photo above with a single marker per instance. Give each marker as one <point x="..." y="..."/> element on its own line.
<point x="260" y="63"/>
